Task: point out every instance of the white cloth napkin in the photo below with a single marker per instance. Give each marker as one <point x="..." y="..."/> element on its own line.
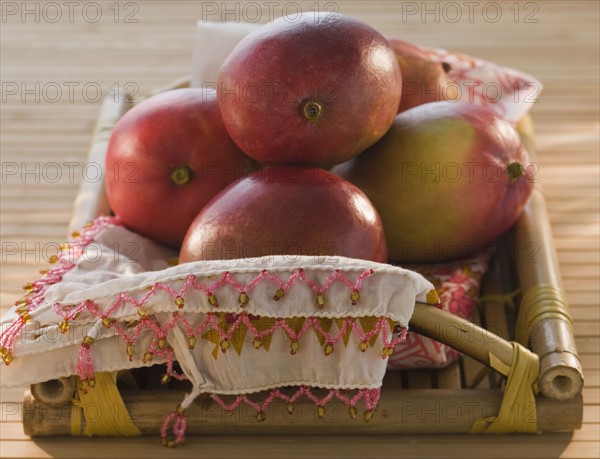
<point x="118" y="282"/>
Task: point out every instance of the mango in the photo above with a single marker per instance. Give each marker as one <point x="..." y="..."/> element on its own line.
<point x="447" y="179"/>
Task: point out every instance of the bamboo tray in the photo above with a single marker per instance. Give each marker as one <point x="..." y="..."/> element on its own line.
<point x="447" y="400"/>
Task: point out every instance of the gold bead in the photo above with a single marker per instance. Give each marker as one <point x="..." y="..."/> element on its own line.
<point x="290" y="408"/>
<point x="212" y="300"/>
<point x="147" y="357"/>
<point x="64" y="326"/>
<point x="43" y="272"/>
<point x="29" y="287"/>
<point x="3" y="351"/>
<point x="321" y="411"/>
<point x="192" y="342"/>
<point x="64" y="246"/>
<point x="75" y="234"/>
<point x="363" y="346"/>
<point x="352" y="411"/>
<point x="130" y="351"/>
<point x="368" y="415"/>
<point x="25" y="317"/>
<point x="21" y="303"/>
<point x="106" y="322"/>
<point x="88" y="224"/>
<point x="141" y="312"/>
<point x="85" y="385"/>
<point x="180" y="409"/>
<point x="320" y="301"/>
<point x="162" y="342"/>
<point x="257" y="343"/>
<point x="88" y="341"/>
<point x="354" y="297"/>
<point x="53" y="259"/>
<point x="260" y="416"/>
<point x="224" y="344"/>
<point x="432" y="297"/>
<point x="328" y="349"/>
<point x="179" y="301"/>
<point x="21" y="310"/>
<point x="293" y="347"/>
<point x="132" y="323"/>
<point x="8" y="357"/>
<point x="165" y="378"/>
<point x="386" y="352"/>
<point x="92" y="383"/>
<point x="244" y="299"/>
<point x="279" y="294"/>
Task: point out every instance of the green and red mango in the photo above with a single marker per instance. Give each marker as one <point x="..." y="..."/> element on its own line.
<point x="447" y="179"/>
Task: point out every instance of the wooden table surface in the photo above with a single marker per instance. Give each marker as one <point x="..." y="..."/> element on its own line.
<point x="52" y="69"/>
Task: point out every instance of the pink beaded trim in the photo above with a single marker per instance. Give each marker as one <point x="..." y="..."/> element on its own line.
<point x="66" y="260"/>
<point x="243" y="290"/>
<point x="159" y="346"/>
<point x="370" y="398"/>
<point x="70" y="312"/>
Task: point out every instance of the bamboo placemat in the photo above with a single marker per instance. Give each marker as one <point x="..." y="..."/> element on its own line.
<point x="561" y="49"/>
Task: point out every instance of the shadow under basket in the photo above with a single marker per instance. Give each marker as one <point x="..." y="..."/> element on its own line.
<point x="519" y="372"/>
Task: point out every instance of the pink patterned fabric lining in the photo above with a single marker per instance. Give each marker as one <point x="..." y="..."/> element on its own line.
<point x="508" y="92"/>
<point x="457" y="284"/>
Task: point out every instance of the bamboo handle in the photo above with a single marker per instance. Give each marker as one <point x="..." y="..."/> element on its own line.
<point x="460" y="334"/>
<point x="91" y="199"/>
<point x="561" y="374"/>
